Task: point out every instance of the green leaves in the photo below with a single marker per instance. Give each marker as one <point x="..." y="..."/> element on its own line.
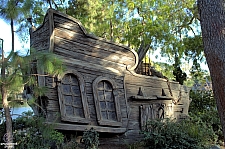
<point x="170" y="134"/>
<point x="161" y="24"/>
<point x="31" y="132"/>
<point x="90" y="139"/>
<point x="48" y="63"/>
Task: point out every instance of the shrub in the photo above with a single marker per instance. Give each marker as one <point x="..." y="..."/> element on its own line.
<point x="31" y="132"/>
<point x="70" y="142"/>
<point x="90" y="139"/>
<point x="203" y="107"/>
<point x="169" y="134"/>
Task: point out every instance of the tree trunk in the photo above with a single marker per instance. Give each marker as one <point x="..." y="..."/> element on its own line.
<point x="9" y="134"/>
<point x="212" y="21"/>
<point x="12" y="33"/>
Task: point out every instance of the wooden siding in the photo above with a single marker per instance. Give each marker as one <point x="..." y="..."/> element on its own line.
<point x="71" y="38"/>
<point x="151" y="86"/>
<point x="89" y="76"/>
<point x="39" y="39"/>
<point x="94" y="57"/>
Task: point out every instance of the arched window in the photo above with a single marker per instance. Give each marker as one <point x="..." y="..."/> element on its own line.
<point x="72" y="98"/>
<point x="106" y="102"/>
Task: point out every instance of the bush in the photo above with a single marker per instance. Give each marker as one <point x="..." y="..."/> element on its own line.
<point x="203" y="108"/>
<point x="31" y="132"/>
<point x="201" y="131"/>
<point x="90" y="139"/>
<point x="202" y="101"/>
<point x="70" y="142"/>
<point x="170" y="134"/>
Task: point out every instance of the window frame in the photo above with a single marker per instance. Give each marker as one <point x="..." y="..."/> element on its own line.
<point x="64" y="117"/>
<point x="102" y="121"/>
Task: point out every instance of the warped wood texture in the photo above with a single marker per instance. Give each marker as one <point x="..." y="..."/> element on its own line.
<point x="212" y="23"/>
<point x="100" y="87"/>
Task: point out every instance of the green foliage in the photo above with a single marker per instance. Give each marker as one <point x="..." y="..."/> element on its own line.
<point x="202" y="101"/>
<point x="16" y="12"/>
<point x="165" y="69"/>
<point x="193" y="47"/>
<point x="21" y="70"/>
<point x="179" y="75"/>
<point x="165" y="25"/>
<point x="203" y="108"/>
<point x="71" y="143"/>
<point x="31" y="132"/>
<point x="170" y="134"/>
<point x="14" y="9"/>
<point x="90" y="139"/>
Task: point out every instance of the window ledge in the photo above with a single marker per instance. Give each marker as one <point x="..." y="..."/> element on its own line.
<point x="137" y="98"/>
<point x="63" y="126"/>
<point x="74" y="119"/>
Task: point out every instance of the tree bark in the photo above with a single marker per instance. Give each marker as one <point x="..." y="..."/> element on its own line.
<point x="12" y="33"/>
<point x="212" y="21"/>
<point x="9" y="134"/>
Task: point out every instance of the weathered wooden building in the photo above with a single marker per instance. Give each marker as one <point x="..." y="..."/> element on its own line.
<point x="100" y="87"/>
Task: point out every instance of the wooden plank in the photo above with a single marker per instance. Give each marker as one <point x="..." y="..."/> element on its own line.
<point x="133" y="125"/>
<point x="137" y="98"/>
<point x="92" y="50"/>
<point x="52" y="94"/>
<point x="51" y="31"/>
<point x="94" y="38"/>
<point x="53" y="105"/>
<point x="40" y="42"/>
<point x="90" y="99"/>
<point x="102" y="65"/>
<point x="63" y="126"/>
<point x="96" y="42"/>
<point x="143" y="81"/>
<point x="91" y="70"/>
<point x="88" y="58"/>
<point x="72" y="36"/>
<point x="45" y="21"/>
<point x="133" y="78"/>
<point x="42" y="28"/>
<point x="67" y="24"/>
<point x="44" y="40"/>
<point x="133" y="90"/>
<point x="40" y="35"/>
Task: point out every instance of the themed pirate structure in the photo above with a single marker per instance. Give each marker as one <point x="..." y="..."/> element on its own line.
<point x="101" y="87"/>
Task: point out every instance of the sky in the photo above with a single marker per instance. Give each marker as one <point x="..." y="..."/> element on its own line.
<point x="5" y="34"/>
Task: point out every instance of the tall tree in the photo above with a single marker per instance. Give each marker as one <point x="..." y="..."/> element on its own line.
<point x="13" y="74"/>
<point x="140" y="24"/>
<point x="10" y="10"/>
<point x="19" y="73"/>
<point x="13" y="11"/>
<point x="213" y="32"/>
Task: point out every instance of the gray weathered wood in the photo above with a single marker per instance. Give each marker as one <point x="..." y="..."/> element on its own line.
<point x="109" y="95"/>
